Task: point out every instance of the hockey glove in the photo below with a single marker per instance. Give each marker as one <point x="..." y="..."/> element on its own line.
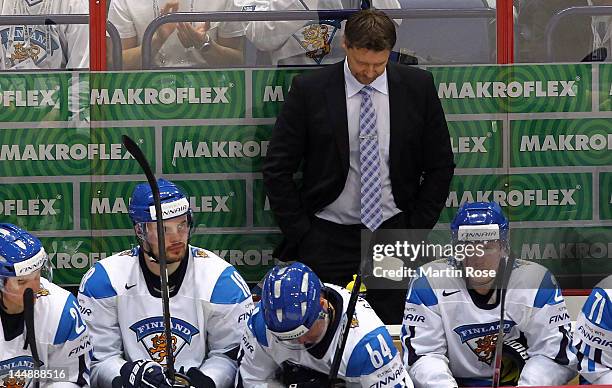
<point x="143" y="374"/>
<point x="296" y="376"/>
<point x="199" y="379"/>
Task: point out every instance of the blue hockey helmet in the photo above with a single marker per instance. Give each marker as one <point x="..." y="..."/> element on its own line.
<point x="479" y="221"/>
<point x="21" y="253"/>
<point x="174" y="202"/>
<point x="290" y="300"/>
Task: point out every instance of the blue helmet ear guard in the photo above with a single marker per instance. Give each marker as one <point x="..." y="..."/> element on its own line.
<point x="21" y="253"/>
<point x="291" y="300"/>
<point x="174" y="202"/>
<point x="480" y="221"/>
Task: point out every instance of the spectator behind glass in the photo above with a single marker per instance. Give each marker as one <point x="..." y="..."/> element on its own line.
<point x="308" y="42"/>
<point x="44" y="47"/>
<point x="178" y="44"/>
<point x="572" y="39"/>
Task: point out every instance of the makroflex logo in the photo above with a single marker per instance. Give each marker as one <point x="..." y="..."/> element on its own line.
<point x="164" y="96"/>
<point x="220" y="149"/>
<point x="198" y="204"/>
<point x="514" y="89"/>
<point x="28" y="207"/>
<point x="514" y="198"/>
<point x="566" y="250"/>
<point x="573" y="142"/>
<point x="28" y="152"/>
<point x="251" y="257"/>
<point x="29" y="98"/>
<point x="469" y="144"/>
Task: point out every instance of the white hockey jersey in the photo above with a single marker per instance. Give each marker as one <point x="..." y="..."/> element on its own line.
<point x="62" y="341"/>
<point x="131" y="17"/>
<point x="592" y="339"/>
<point x="208" y="316"/>
<point x="449" y="340"/>
<point x="308" y="42"/>
<point x="369" y="358"/>
<point x="44" y="47"/>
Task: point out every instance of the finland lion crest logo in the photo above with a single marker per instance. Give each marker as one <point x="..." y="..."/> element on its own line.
<point x="150" y="333"/>
<point x="482" y="338"/>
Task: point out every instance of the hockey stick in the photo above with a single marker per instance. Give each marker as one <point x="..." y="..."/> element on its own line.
<point x="161" y="256"/>
<point x="350" y="311"/>
<point x="30" y="340"/>
<point x="499" y="345"/>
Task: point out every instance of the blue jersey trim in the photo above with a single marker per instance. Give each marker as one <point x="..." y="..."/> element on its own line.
<point x="98" y="285"/>
<point x="420" y="292"/>
<point x="258" y="327"/>
<point x="360" y="361"/>
<point x="230" y="288"/>
<point x="606" y="316"/>
<point x="548" y="293"/>
<point x="71" y="325"/>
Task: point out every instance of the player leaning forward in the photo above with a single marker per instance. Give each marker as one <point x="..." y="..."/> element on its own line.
<point x="209" y="303"/>
<point x="299" y="321"/>
<point x="62" y="339"/>
<point x="451" y="324"/>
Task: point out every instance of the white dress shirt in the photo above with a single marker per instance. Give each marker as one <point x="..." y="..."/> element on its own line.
<point x="346" y="209"/>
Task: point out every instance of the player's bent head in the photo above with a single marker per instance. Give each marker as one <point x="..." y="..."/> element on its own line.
<point x="293" y="308"/>
<point x="23" y="261"/>
<point x="370" y="29"/>
<point x="176" y="215"/>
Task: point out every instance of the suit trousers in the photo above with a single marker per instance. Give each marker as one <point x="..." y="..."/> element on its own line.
<point x="334" y="251"/>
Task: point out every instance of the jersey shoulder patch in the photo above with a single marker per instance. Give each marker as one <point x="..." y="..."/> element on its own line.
<point x="597" y="309"/>
<point x="97" y="284"/>
<point x="549" y="292"/>
<point x="71" y="325"/>
<point x="420" y="293"/>
<point x="372" y="352"/>
<point x="230" y="288"/>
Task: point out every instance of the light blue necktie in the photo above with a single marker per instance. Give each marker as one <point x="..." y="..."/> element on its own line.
<point x="371" y="189"/>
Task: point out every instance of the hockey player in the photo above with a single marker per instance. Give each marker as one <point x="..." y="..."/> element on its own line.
<point x="62" y="339"/>
<point x="307" y="42"/>
<point x="593" y="336"/>
<point x="452" y="313"/>
<point x="120" y="296"/>
<point x="64" y="46"/>
<point x="298" y="322"/>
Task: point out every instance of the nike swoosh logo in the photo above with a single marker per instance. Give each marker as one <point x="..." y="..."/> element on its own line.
<point x="444" y="293"/>
<point x="128" y="287"/>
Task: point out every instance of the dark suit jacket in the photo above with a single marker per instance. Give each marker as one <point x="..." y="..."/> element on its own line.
<point x="312" y="129"/>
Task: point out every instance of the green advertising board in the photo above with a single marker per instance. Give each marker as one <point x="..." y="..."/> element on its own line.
<point x="262" y="214"/>
<point x="605" y="87"/>
<point x="218" y="149"/>
<point x="270" y="88"/>
<point x="71" y="151"/>
<point x="167" y="95"/>
<point x="605" y="196"/>
<point x="514" y="89"/>
<point x="71" y="257"/>
<point x="209" y="131"/>
<point x="476" y="144"/>
<point x="549" y="143"/>
<point x="250" y="253"/>
<point x="526" y="197"/>
<point x="36" y="97"/>
<point x="37" y="206"/>
<point x="214" y="203"/>
<point x="578" y="257"/>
